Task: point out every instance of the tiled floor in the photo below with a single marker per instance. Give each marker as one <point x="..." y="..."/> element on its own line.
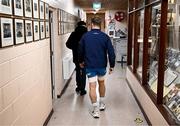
<point x="121" y="107"/>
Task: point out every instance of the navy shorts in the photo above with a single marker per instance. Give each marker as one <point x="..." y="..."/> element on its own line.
<point x="93" y="73"/>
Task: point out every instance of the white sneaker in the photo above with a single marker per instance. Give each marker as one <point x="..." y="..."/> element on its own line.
<point x="95" y="112"/>
<point x="102" y="106"/>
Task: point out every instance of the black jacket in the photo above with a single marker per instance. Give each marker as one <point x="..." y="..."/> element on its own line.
<point x="73" y="41"/>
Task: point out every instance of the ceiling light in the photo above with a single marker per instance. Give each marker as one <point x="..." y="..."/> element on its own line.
<point x="97" y="6"/>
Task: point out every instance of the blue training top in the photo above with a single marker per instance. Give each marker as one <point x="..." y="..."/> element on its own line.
<point x="93" y="49"/>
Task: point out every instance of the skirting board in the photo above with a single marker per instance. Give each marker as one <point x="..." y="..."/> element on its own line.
<point x="48" y="118"/>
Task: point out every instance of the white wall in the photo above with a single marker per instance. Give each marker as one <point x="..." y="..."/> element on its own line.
<point x="25" y="87"/>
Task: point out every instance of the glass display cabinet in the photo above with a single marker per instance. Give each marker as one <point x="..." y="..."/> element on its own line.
<point x="154" y="54"/>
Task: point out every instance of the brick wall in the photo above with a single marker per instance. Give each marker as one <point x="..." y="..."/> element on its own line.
<point x="25" y="86"/>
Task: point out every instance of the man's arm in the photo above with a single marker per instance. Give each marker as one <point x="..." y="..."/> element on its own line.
<point x="71" y="41"/>
<point x="81" y="52"/>
<point x="111" y="54"/>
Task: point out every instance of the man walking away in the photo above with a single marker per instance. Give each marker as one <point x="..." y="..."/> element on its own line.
<point x="73" y="44"/>
<point x="94" y="48"/>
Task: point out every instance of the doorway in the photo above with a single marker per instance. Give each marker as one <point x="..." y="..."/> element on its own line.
<point x="52" y="62"/>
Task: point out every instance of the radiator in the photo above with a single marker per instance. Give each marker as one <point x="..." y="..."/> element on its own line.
<point x="68" y="66"/>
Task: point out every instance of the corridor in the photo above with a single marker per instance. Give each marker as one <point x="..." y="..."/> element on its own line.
<point x="73" y="110"/>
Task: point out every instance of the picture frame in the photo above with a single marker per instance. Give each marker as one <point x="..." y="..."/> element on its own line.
<point x="36" y="30"/>
<point x="42" y="12"/>
<point x="36" y="9"/>
<point x="19" y="31"/>
<point x="28" y="31"/>
<point x="28" y="8"/>
<point x="47" y="29"/>
<point x="59" y="28"/>
<point x="62" y="15"/>
<point x="42" y="30"/>
<point x="62" y="28"/>
<point x="7" y="34"/>
<point x="111" y="33"/>
<point x="6" y="7"/>
<point x="18" y="7"/>
<point x="46" y="11"/>
<point x="59" y="15"/>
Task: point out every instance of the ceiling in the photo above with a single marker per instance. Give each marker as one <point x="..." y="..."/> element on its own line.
<point x="105" y="4"/>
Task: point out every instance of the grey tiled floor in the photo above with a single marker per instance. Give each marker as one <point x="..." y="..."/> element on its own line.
<point x="122" y="109"/>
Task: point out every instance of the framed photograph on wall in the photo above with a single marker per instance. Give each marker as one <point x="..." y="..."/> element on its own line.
<point x="36" y="8"/>
<point x="59" y="15"/>
<point x="62" y="28"/>
<point x="6" y="6"/>
<point x="28" y="31"/>
<point x="42" y="10"/>
<point x="42" y="30"/>
<point x="19" y="31"/>
<point x="28" y="8"/>
<point x="47" y="11"/>
<point x="47" y="29"/>
<point x="59" y="28"/>
<point x="6" y="32"/>
<point x="36" y="30"/>
<point x="18" y="7"/>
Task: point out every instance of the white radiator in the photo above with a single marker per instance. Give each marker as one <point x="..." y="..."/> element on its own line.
<point x="68" y="66"/>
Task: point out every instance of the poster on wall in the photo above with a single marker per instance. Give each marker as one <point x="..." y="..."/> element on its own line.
<point x="42" y="30"/>
<point x="41" y="10"/>
<point x="19" y="31"/>
<point x="28" y="8"/>
<point x="6" y="6"/>
<point x="18" y="7"/>
<point x="47" y="29"/>
<point x="36" y="8"/>
<point x="47" y="11"/>
<point x="36" y="30"/>
<point x="29" y="32"/>
<point x="6" y="32"/>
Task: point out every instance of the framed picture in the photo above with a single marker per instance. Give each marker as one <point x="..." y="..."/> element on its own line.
<point x="42" y="30"/>
<point x="47" y="11"/>
<point x="6" y="6"/>
<point x="36" y="30"/>
<point x="28" y="8"/>
<point x="59" y="15"/>
<point x="36" y="8"/>
<point x="18" y="7"/>
<point x="41" y="10"/>
<point x="62" y="15"/>
<point x="111" y="33"/>
<point x="28" y="31"/>
<point x="19" y="31"/>
<point x="47" y="29"/>
<point x="59" y="28"/>
<point x="6" y="32"/>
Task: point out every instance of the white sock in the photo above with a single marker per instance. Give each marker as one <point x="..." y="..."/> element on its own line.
<point x="96" y="104"/>
<point x="102" y="99"/>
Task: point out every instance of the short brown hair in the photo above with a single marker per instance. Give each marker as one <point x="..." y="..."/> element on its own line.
<point x="96" y="21"/>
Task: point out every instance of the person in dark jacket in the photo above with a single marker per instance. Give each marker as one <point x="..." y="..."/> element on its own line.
<point x="73" y="44"/>
<point x="94" y="48"/>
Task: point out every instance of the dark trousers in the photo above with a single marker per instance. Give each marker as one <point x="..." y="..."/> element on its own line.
<point x="80" y="77"/>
